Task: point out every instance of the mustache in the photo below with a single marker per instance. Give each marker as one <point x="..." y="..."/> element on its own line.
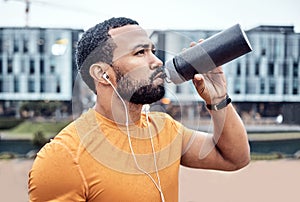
<point x="158" y="73"/>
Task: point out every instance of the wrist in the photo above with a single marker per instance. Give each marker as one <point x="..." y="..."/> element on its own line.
<point x="220" y="104"/>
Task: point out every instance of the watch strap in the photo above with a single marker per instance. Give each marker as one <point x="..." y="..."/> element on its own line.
<point x="219" y="105"/>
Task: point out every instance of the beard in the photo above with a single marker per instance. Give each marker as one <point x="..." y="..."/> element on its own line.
<point x="141" y="92"/>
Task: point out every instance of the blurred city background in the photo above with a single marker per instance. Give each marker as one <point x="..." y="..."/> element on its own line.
<point x="41" y="92"/>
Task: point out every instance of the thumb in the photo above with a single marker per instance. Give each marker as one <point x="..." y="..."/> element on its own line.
<point x="199" y="83"/>
<point x="198" y="79"/>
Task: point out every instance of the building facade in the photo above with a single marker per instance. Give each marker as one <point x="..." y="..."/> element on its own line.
<point x="263" y="83"/>
<point x="36" y="64"/>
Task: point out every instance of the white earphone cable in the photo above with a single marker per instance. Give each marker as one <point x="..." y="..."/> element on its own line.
<point x="154" y="155"/>
<point x="158" y="186"/>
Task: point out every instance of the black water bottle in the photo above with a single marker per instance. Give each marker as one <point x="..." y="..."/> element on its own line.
<point x="217" y="50"/>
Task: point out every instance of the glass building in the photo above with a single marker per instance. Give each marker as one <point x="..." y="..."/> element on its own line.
<point x="36" y="64"/>
<point x="263" y="83"/>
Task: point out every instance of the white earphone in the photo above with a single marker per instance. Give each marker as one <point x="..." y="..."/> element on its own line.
<point x="105" y="76"/>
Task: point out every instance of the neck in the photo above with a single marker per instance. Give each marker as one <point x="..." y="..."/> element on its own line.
<point x="113" y="108"/>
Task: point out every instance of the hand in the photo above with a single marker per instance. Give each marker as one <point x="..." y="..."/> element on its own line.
<point x="211" y="86"/>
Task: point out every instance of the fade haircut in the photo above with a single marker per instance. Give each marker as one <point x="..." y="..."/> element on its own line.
<point x="96" y="45"/>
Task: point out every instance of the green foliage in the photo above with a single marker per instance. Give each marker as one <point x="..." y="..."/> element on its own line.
<point x="31" y="127"/>
<point x="7" y="155"/>
<point x="40" y="108"/>
<point x="269" y="156"/>
<point x="39" y="139"/>
<point x="9" y="122"/>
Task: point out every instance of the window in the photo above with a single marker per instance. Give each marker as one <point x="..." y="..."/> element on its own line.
<point x="285" y="87"/>
<point x="295" y="69"/>
<point x="31" y="86"/>
<point x="295" y="91"/>
<point x="295" y="86"/>
<point x="238" y="69"/>
<point x="52" y="65"/>
<point x="262" y="87"/>
<point x="256" y="68"/>
<point x="1" y="43"/>
<point x="23" y="69"/>
<point x="249" y="87"/>
<point x="16" y="45"/>
<point x="1" y="85"/>
<point x="237" y="86"/>
<point x="9" y="65"/>
<point x="31" y="66"/>
<point x="271" y="69"/>
<point x="41" y="45"/>
<point x="247" y="68"/>
<point x="25" y="45"/>
<point x="272" y="87"/>
<point x="58" y="88"/>
<point x="1" y="66"/>
<point x="42" y="66"/>
<point x="42" y="88"/>
<point x="16" y="84"/>
<point x="41" y="42"/>
<point x="263" y="52"/>
<point x="285" y="69"/>
<point x="52" y="69"/>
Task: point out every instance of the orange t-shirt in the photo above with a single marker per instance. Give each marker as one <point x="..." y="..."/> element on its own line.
<point x="91" y="160"/>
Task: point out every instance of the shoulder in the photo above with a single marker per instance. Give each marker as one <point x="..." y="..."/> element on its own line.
<point x="62" y="145"/>
<point x="54" y="162"/>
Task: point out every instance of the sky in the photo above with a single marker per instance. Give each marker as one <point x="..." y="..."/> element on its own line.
<point x="153" y="14"/>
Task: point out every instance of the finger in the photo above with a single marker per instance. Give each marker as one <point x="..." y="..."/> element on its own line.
<point x="198" y="80"/>
<point x="200" y="40"/>
<point x="198" y="77"/>
<point x="199" y="83"/>
<point x="193" y="44"/>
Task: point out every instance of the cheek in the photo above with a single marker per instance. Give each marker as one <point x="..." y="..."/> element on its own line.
<point x="134" y="70"/>
<point x="139" y="73"/>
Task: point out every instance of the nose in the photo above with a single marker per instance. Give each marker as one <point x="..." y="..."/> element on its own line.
<point x="155" y="62"/>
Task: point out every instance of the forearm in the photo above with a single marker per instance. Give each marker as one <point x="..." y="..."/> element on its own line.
<point x="230" y="137"/>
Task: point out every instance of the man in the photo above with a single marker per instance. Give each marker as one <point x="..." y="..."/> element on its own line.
<point x="119" y="152"/>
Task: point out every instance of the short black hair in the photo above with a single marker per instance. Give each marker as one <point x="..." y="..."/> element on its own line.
<point x="95" y="46"/>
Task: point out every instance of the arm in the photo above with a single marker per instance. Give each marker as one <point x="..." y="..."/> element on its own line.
<point x="227" y="148"/>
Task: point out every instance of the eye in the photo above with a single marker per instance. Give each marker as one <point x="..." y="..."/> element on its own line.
<point x="153" y="51"/>
<point x="140" y="52"/>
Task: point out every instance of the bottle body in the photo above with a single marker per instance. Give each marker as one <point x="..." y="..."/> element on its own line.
<point x="217" y="50"/>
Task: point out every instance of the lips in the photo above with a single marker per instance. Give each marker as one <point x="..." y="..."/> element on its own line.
<point x="159" y="73"/>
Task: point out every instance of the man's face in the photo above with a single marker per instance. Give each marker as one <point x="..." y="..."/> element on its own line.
<point x="139" y="74"/>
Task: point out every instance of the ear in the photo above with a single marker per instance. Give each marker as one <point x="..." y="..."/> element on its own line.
<point x="97" y="70"/>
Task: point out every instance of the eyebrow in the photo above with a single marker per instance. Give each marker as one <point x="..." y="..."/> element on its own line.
<point x="146" y="46"/>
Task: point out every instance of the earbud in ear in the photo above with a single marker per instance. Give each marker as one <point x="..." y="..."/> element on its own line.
<point x="105" y="76"/>
<point x="146" y="108"/>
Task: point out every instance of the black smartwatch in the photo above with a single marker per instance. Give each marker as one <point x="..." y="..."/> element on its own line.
<point x="219" y="105"/>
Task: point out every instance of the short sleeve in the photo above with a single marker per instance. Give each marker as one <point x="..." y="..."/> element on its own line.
<point x="55" y="175"/>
